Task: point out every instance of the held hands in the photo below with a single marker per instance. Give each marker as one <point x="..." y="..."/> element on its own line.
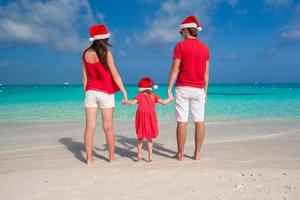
<point x="124" y="100"/>
<point x="171" y="98"/>
<point x="170" y="95"/>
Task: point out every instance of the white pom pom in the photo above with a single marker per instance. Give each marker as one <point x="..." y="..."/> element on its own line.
<point x="91" y="39"/>
<point x="155" y="86"/>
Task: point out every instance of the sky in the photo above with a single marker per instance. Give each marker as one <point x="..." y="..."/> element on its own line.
<point x="41" y="41"/>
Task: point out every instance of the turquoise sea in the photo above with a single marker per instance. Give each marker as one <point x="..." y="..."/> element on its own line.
<point x="44" y="103"/>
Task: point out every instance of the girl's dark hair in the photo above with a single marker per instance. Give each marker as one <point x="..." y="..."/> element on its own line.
<point x="149" y="93"/>
<point x="193" y="32"/>
<point x="101" y="48"/>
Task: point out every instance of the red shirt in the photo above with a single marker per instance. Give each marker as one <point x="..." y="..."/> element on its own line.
<point x="193" y="55"/>
<point x="99" y="79"/>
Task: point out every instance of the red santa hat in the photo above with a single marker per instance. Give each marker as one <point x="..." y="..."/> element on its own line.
<point x="98" y="32"/>
<point x="190" y="22"/>
<point x="146" y="83"/>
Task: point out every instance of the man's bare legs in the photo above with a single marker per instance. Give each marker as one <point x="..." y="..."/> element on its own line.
<point x="181" y="136"/>
<point x="139" y="149"/>
<point x="91" y="122"/>
<point x="150" y="149"/>
<point x="199" y="137"/>
<point x="107" y="125"/>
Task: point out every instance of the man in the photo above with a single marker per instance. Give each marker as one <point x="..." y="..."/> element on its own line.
<point x="191" y="68"/>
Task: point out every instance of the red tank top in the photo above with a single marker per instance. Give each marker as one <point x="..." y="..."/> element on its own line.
<point x="99" y="79"/>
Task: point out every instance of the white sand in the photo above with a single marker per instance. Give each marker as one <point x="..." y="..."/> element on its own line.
<point x="241" y="160"/>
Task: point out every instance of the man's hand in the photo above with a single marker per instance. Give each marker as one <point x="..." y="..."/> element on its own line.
<point x="170" y="95"/>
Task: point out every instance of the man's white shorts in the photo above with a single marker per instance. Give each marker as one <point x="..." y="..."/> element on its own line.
<point x="93" y="99"/>
<point x="189" y="98"/>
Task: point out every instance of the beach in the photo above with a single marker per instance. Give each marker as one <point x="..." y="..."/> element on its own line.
<point x="250" y="151"/>
<point x="249" y="159"/>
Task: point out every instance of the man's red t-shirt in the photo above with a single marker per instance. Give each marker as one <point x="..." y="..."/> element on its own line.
<point x="193" y="55"/>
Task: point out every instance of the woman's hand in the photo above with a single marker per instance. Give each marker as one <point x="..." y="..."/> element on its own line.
<point x="124" y="102"/>
<point x="125" y="95"/>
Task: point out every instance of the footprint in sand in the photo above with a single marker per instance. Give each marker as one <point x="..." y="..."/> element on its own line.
<point x="263" y="189"/>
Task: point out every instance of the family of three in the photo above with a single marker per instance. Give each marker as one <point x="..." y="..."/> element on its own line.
<point x="190" y="71"/>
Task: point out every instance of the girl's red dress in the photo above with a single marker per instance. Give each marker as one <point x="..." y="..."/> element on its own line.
<point x="146" y="125"/>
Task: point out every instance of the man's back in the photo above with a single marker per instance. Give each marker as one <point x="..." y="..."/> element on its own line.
<point x="193" y="55"/>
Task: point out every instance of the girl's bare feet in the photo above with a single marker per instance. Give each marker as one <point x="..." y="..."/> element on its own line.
<point x="197" y="156"/>
<point x="178" y="156"/>
<point x="112" y="160"/>
<point x="139" y="158"/>
<point x="150" y="159"/>
<point x="90" y="162"/>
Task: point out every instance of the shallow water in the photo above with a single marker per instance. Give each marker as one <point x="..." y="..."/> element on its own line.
<point x="225" y="102"/>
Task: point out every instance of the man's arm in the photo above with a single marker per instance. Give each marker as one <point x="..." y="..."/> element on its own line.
<point x="173" y="75"/>
<point x="165" y="101"/>
<point x="206" y="79"/>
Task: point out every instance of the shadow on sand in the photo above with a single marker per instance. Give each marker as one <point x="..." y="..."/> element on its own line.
<point x="78" y="150"/>
<point x="125" y="147"/>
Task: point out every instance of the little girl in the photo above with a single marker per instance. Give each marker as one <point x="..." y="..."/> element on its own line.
<point x="145" y="119"/>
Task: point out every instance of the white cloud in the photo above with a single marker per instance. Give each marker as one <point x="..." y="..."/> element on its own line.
<point x="162" y="27"/>
<point x="55" y="22"/>
<point x="128" y="41"/>
<point x="292" y="30"/>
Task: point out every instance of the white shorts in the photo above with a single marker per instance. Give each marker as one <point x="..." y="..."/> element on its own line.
<point x="93" y="99"/>
<point x="189" y="98"/>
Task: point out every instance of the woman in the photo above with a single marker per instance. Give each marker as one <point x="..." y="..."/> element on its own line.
<point x="100" y="80"/>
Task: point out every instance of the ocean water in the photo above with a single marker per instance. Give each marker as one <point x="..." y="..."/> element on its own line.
<point x="20" y="103"/>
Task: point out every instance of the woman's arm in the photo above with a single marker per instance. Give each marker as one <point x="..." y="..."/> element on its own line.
<point x="84" y="78"/>
<point x="173" y="75"/>
<point x="165" y="101"/>
<point x="115" y="74"/>
<point x="130" y="102"/>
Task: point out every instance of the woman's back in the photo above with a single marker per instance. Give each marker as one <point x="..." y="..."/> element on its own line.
<point x="98" y="77"/>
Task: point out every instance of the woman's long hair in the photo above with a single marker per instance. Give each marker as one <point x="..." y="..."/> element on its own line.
<point x="101" y="48"/>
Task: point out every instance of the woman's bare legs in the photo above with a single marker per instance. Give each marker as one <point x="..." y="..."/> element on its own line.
<point x="91" y="123"/>
<point x="107" y="125"/>
<point x="139" y="149"/>
<point x="150" y="149"/>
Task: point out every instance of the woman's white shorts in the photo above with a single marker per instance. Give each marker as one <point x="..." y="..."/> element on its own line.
<point x="93" y="99"/>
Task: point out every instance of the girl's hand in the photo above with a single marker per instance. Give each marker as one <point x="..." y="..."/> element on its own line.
<point x="124" y="102"/>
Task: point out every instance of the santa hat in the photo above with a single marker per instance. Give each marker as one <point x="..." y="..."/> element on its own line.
<point x="98" y="32"/>
<point x="146" y="83"/>
<point x="190" y="22"/>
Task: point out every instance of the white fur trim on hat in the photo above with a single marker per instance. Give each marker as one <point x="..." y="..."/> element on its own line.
<point x="190" y="25"/>
<point x="143" y="89"/>
<point x="99" y="37"/>
<point x="155" y="87"/>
